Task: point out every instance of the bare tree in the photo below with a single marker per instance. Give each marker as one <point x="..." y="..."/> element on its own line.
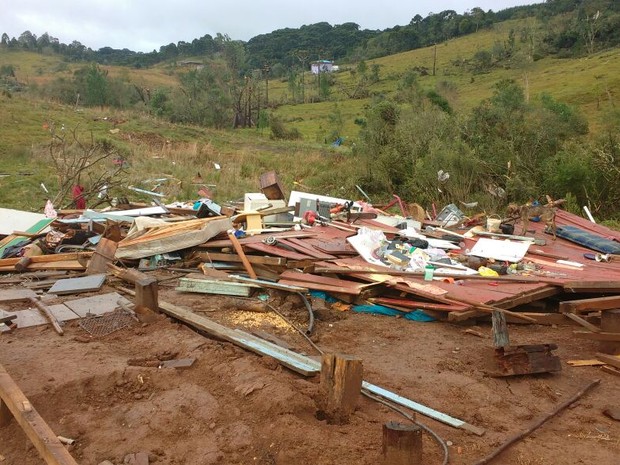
<point x="95" y="165"/>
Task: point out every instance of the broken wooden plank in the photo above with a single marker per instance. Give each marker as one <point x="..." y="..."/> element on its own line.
<point x="38" y="431"/>
<point x="246" y="263"/>
<point x="231" y="257"/>
<point x="577" y="319"/>
<point x="611" y="370"/>
<point x="598" y="287"/>
<point x="300" y="363"/>
<point x="585" y="363"/>
<point x="540" y="318"/>
<point x="7" y="319"/>
<point x="600" y="336"/>
<point x="268" y="284"/>
<point x="609" y="359"/>
<point x="306" y="249"/>
<point x="324" y="283"/>
<point x="66" y="265"/>
<point x="48" y="314"/>
<point x="103" y="255"/>
<point x="48" y="259"/>
<point x="587" y="305"/>
<point x="209" y="286"/>
<point x="277" y="251"/>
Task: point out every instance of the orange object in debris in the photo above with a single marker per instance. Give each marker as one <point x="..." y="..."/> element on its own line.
<point x="310" y="217"/>
<point x="336" y="209"/>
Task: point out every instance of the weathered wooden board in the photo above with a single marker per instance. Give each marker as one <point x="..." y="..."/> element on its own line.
<point x="78" y="285"/>
<point x="16" y="294"/>
<point x="43" y="438"/>
<point x="612" y="360"/>
<point x="104" y="254"/>
<point x="588" y="305"/>
<point x="277" y="251"/>
<point x="33" y="317"/>
<point x="208" y="286"/>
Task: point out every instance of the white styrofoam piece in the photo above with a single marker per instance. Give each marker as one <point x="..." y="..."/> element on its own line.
<point x="17" y="220"/>
<point x="504" y="250"/>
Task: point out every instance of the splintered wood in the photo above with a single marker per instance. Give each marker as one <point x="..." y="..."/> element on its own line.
<point x="13" y="401"/>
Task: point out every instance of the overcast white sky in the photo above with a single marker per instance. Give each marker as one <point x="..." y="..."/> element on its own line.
<point x="145" y="25"/>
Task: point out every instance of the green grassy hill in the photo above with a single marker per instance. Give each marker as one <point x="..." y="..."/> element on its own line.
<point x="186" y="155"/>
<point x="590" y="83"/>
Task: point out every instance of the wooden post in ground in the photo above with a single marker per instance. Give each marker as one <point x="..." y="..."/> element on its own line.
<point x="146" y="286"/>
<point x="610" y="323"/>
<point x="402" y="444"/>
<point x="500" y="330"/>
<point x="341" y="384"/>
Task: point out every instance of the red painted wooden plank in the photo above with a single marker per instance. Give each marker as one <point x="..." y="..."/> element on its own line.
<point x="313" y="278"/>
<point x="307" y="249"/>
<point x="276" y="251"/>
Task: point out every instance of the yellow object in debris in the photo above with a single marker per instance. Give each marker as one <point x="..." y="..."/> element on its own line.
<point x="484" y="271"/>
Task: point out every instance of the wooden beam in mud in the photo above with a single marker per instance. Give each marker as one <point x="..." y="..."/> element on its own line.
<point x="13" y="400"/>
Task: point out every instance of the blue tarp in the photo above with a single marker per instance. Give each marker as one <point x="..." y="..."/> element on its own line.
<point x="588" y="239"/>
<point x="416" y="315"/>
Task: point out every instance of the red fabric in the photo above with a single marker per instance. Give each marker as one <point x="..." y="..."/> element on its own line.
<point x="78" y="198"/>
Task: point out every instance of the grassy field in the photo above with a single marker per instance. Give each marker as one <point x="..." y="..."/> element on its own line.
<point x="590" y="83"/>
<point x="186" y="155"/>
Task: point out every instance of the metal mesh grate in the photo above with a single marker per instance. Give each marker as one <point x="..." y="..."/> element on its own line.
<point x="102" y="325"/>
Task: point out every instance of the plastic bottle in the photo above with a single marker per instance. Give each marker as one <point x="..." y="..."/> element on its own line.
<point x="428" y="273"/>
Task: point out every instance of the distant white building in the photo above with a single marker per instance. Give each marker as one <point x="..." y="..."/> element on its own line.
<point x="322" y="66"/>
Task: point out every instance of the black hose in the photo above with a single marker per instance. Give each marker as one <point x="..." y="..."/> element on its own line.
<point x="310" y="313"/>
<point x="435" y="436"/>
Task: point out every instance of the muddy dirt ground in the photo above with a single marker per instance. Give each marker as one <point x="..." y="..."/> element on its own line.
<point x="235" y="407"/>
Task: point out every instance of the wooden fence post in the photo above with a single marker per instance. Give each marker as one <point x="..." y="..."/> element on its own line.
<point x="341" y="384"/>
<point x="402" y="444"/>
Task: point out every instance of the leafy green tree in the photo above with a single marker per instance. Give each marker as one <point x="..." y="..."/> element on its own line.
<point x="96" y="90"/>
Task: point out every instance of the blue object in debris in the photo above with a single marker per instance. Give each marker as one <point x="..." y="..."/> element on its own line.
<point x="324" y="296"/>
<point x="416" y="315"/>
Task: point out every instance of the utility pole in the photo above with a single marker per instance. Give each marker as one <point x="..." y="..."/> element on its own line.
<point x="302" y="56"/>
<point x="266" y="69"/>
<point x="434" y="59"/>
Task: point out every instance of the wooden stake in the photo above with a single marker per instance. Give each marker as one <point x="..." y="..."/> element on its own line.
<point x="500" y="330"/>
<point x="48" y="314"/>
<point x="402" y="444"/>
<point x="146" y="286"/>
<point x="341" y="384"/>
<point x="241" y="253"/>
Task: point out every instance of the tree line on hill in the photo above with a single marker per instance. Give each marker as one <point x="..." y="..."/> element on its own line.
<point x="574" y="27"/>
